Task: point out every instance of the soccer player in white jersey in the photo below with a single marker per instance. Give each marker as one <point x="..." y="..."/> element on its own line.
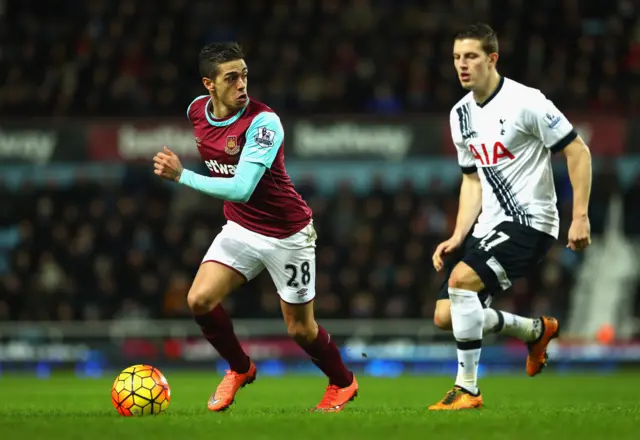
<point x="505" y="134"/>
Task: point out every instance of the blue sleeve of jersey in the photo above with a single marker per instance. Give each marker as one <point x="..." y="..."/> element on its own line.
<point x="263" y="139"/>
<point x="238" y="188"/>
<point x="192" y="102"/>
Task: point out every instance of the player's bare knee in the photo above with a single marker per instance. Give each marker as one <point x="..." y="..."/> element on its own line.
<point x="303" y="332"/>
<point x="464" y="277"/>
<point x="300" y="322"/>
<point x="203" y="300"/>
<point x="442" y="320"/>
<point x="458" y="278"/>
<point x="211" y="285"/>
<point x="442" y="315"/>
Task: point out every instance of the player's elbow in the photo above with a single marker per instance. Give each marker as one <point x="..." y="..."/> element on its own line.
<point x="584" y="151"/>
<point x="243" y="195"/>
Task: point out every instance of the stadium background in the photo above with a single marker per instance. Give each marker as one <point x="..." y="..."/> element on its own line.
<point x="96" y="254"/>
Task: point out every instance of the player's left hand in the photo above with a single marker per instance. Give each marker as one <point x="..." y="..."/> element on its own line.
<point x="579" y="234"/>
<point x="167" y="165"/>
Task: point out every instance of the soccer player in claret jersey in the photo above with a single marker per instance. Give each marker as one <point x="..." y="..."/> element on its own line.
<point x="241" y="141"/>
<point x="505" y="134"/>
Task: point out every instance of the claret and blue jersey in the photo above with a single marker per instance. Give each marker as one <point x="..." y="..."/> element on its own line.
<point x="244" y="154"/>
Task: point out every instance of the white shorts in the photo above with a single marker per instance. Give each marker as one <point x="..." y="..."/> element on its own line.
<point x="291" y="261"/>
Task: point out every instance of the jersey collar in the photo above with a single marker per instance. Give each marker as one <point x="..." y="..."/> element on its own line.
<point x="226" y="121"/>
<point x="493" y="95"/>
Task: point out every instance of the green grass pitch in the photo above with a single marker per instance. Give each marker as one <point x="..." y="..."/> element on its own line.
<point x="573" y="407"/>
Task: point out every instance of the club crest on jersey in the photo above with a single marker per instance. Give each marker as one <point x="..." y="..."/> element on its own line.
<point x="198" y="141"/>
<point x="231" y="147"/>
<point x="265" y="137"/>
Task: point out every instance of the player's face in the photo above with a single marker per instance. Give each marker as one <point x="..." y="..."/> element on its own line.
<point x="230" y="84"/>
<point x="472" y="63"/>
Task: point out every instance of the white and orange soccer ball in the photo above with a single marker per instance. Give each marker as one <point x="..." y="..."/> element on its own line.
<point x="140" y="390"/>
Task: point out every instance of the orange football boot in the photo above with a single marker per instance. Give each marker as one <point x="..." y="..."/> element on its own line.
<point x="457" y="399"/>
<point x="537" y="358"/>
<point x="231" y="383"/>
<point x="336" y="398"/>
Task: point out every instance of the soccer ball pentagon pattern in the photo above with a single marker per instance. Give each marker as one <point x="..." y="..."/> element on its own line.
<point x="140" y="390"/>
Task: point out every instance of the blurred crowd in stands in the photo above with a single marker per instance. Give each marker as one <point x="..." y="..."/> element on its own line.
<point x="136" y="58"/>
<point x="93" y="251"/>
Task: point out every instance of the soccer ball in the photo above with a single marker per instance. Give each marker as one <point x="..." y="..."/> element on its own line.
<point x="140" y="390"/>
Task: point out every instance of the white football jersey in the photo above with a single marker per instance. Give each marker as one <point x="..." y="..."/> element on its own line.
<point x="509" y="140"/>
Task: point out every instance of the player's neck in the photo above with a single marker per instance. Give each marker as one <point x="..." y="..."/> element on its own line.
<point x="481" y="95"/>
<point x="221" y="111"/>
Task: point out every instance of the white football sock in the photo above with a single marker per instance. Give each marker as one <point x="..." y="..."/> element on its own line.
<point x="527" y="329"/>
<point x="491" y="322"/>
<point x="467" y="319"/>
<point x="505" y="323"/>
<point x="467" y="376"/>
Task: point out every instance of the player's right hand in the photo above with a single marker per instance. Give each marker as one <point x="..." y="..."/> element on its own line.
<point x="167" y="165"/>
<point x="443" y="248"/>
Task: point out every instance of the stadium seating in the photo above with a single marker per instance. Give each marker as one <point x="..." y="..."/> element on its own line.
<point x="91" y="251"/>
<point x="124" y="58"/>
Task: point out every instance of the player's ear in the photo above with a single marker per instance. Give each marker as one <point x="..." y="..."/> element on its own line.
<point x="494" y="58"/>
<point x="208" y="84"/>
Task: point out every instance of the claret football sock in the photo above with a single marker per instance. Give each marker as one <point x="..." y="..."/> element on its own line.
<point x="526" y="329"/>
<point x="326" y="356"/>
<point x="467" y="319"/>
<point x="217" y="328"/>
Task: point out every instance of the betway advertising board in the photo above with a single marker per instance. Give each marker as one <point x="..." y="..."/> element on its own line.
<point x="326" y="138"/>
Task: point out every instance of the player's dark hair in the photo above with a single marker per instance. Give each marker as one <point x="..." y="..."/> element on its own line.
<point x="214" y="54"/>
<point x="481" y="32"/>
